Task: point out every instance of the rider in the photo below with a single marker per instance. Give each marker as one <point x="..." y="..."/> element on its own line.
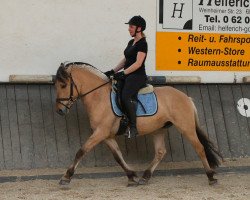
<point x="133" y="77"/>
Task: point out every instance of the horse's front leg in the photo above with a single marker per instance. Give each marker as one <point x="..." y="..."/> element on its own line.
<point x="131" y="174"/>
<point x="97" y="137"/>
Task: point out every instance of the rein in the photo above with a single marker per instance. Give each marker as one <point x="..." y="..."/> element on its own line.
<point x="71" y="98"/>
<point x="82" y="95"/>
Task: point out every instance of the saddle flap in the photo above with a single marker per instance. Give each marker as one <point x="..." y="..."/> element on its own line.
<point x="148" y="89"/>
<point x="148" y="105"/>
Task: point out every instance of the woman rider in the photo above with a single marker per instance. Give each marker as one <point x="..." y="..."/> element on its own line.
<point x="133" y="77"/>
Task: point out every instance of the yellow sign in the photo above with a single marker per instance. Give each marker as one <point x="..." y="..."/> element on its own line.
<point x="202" y="51"/>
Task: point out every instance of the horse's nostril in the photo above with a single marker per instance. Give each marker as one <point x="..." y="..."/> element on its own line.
<point x="60" y="111"/>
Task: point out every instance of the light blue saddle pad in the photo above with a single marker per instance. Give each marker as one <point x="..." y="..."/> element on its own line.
<point x="149" y="102"/>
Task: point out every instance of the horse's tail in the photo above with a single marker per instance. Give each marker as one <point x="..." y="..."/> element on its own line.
<point x="211" y="151"/>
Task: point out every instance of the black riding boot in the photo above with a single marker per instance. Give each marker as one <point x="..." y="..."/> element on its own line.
<point x="131" y="112"/>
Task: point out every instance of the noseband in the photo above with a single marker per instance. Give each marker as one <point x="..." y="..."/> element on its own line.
<point x="71" y="98"/>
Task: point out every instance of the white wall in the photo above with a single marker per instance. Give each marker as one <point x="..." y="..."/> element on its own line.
<point x="37" y="35"/>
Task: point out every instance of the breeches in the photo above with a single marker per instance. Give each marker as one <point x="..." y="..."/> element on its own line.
<point x="130" y="86"/>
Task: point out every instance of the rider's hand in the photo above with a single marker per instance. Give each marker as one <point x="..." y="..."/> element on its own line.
<point x="109" y="73"/>
<point x="119" y="75"/>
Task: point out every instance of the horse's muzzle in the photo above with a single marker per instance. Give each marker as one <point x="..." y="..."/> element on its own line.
<point x="62" y="112"/>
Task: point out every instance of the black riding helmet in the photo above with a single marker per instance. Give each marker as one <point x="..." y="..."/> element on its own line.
<point x="137" y="21"/>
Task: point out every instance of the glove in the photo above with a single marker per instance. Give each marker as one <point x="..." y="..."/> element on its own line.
<point x="119" y="75"/>
<point x="109" y="73"/>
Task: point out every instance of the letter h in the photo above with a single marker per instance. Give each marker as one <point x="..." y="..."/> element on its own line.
<point x="180" y="10"/>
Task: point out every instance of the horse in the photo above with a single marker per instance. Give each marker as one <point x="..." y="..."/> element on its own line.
<point x="79" y="80"/>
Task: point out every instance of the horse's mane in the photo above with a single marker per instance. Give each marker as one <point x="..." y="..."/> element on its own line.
<point x="62" y="75"/>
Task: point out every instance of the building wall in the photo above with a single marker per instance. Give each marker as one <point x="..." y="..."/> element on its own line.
<point x="36" y="36"/>
<point x="32" y="135"/>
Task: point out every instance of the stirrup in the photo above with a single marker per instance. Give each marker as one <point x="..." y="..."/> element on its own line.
<point x="129" y="134"/>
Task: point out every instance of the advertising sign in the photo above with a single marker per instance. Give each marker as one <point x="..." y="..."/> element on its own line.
<point x="203" y="35"/>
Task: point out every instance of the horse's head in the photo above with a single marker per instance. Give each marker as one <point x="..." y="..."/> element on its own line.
<point x="66" y="90"/>
<point x="70" y="80"/>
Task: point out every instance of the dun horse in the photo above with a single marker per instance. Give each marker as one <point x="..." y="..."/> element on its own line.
<point x="83" y="81"/>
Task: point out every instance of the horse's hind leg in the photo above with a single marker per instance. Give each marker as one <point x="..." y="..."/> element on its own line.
<point x="160" y="151"/>
<point x="191" y="135"/>
<point x="131" y="174"/>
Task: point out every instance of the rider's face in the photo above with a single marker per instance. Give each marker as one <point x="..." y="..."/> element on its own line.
<point x="131" y="30"/>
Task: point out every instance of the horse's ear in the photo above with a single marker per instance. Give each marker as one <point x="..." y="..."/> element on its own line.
<point x="62" y="65"/>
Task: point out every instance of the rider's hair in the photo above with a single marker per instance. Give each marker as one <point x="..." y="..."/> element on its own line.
<point x="143" y="34"/>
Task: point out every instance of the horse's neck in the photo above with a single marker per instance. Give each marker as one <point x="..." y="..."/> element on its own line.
<point x="89" y="79"/>
<point x="94" y="101"/>
<point x="95" y="104"/>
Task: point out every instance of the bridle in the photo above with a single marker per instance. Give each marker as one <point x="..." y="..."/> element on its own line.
<point x="71" y="98"/>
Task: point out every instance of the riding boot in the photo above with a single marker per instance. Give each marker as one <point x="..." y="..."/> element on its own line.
<point x="131" y="112"/>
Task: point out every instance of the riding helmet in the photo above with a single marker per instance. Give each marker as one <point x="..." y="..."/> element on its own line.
<point x="137" y="21"/>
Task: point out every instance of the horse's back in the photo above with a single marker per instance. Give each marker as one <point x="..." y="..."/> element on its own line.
<point x="171" y="98"/>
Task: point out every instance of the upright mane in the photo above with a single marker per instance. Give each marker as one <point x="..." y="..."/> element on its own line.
<point x="62" y="75"/>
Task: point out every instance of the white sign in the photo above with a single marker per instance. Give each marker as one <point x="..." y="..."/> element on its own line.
<point x="178" y="11"/>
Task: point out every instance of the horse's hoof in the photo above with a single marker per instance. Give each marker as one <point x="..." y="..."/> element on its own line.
<point x="143" y="181"/>
<point x="132" y="183"/>
<point x="213" y="182"/>
<point x="64" y="181"/>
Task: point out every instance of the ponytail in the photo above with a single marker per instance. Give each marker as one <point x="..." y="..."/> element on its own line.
<point x="143" y="35"/>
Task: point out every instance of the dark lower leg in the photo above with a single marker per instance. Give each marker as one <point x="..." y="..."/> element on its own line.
<point x="201" y="153"/>
<point x="211" y="179"/>
<point x="160" y="152"/>
<point x="148" y="172"/>
<point x="71" y="170"/>
<point x="78" y="157"/>
<point x="131" y="174"/>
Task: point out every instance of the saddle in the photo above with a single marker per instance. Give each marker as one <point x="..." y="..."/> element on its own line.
<point x="146" y="105"/>
<point x="147" y="89"/>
